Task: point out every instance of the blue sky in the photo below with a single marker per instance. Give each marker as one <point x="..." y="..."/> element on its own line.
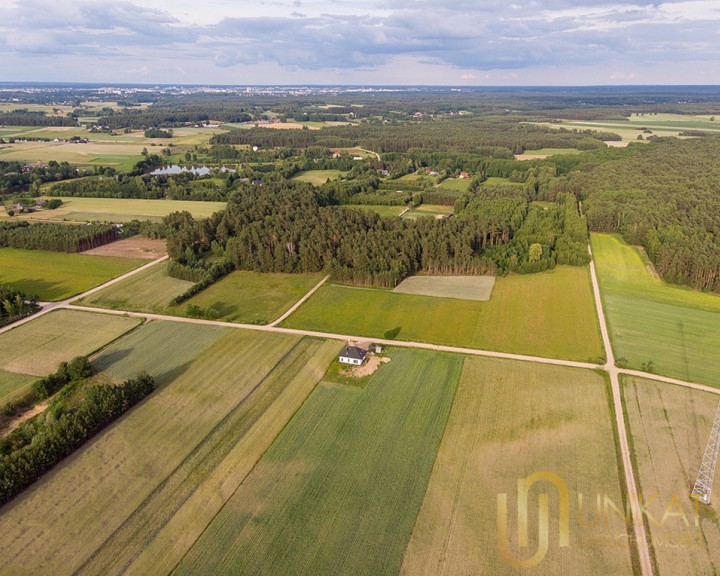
<point x="384" y="42"/>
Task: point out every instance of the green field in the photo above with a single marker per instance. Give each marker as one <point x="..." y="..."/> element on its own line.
<point x="669" y="427"/>
<point x="318" y="177"/>
<point x="676" y="328"/>
<point x="460" y="287"/>
<point x="339" y="490"/>
<point x="38" y="347"/>
<point x="509" y="420"/>
<point x="456" y="184"/>
<point x="379" y="209"/>
<point x="53" y="276"/>
<point x="148" y="291"/>
<point x="119" y="210"/>
<point x="183" y="452"/>
<point x="528" y="314"/>
<point x="548" y="152"/>
<point x="252" y="297"/>
<point x="13" y="386"/>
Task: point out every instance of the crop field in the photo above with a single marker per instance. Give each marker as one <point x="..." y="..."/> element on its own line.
<point x="252" y="297"/>
<point x="676" y="328"/>
<point x="544" y="153"/>
<point x="317" y="177"/>
<point x="669" y="427"/>
<point x="200" y="437"/>
<point x="339" y="490"/>
<point x="460" y="287"/>
<point x="53" y="276"/>
<point x="501" y="408"/>
<point x="38" y="347"/>
<point x="119" y="210"/>
<point x="13" y="386"/>
<point x="528" y="314"/>
<point x="148" y="291"/>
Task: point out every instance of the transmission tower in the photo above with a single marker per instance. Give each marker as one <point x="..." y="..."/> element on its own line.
<point x="704" y="482"/>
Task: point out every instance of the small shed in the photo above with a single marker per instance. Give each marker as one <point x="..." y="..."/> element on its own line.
<point x="352" y="355"/>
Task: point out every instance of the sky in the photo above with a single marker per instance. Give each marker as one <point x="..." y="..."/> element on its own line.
<point x="361" y="42"/>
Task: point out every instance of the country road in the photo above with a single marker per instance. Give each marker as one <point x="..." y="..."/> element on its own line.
<point x="613" y="371"/>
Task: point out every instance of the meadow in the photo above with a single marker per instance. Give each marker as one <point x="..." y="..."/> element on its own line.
<point x="339" y="490"/>
<point x="380" y="209"/>
<point x="200" y="437"/>
<point x="425" y="210"/>
<point x="118" y="210"/>
<point x="501" y="408"/>
<point x="37" y="347"/>
<point x="14" y="386"/>
<point x="251" y="297"/>
<point x="53" y="276"/>
<point x="456" y="184"/>
<point x="148" y="291"/>
<point x="669" y="428"/>
<point x="318" y="177"/>
<point x="527" y="314"/>
<point x="674" y="327"/>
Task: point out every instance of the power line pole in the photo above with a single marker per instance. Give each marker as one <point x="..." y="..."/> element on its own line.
<point x="703" y="485"/>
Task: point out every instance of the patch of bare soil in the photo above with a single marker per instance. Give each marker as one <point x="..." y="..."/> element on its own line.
<point x="369" y="366"/>
<point x="15" y="422"/>
<point x="132" y="248"/>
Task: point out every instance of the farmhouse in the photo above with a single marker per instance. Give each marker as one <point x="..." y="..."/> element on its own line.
<point x="352" y="355"/>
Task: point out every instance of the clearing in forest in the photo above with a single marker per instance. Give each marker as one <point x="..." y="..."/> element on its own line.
<point x="669" y="428"/>
<point x="339" y="490"/>
<point x="53" y="276"/>
<point x="501" y="409"/>
<point x="37" y="347"/>
<point x="675" y="328"/>
<point x="549" y="314"/>
<point x="460" y="287"/>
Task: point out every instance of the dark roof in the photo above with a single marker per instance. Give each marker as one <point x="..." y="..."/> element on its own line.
<point x="353" y="352"/>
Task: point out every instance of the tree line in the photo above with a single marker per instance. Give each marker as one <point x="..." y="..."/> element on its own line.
<point x="55" y="237"/>
<point x="15" y="304"/>
<point x="68" y="422"/>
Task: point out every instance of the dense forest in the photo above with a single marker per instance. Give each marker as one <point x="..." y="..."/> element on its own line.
<point x="288" y="227"/>
<point x="55" y="237"/>
<point x="663" y="196"/>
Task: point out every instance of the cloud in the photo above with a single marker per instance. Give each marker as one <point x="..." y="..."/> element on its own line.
<point x="357" y="36"/>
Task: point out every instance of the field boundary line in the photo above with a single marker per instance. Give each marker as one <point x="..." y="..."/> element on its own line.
<point x="641" y="549"/>
<point x="300" y="302"/>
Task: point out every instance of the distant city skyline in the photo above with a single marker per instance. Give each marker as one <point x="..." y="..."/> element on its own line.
<point x="384" y="42"/>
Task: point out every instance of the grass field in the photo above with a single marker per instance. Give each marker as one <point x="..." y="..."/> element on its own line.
<point x="510" y="420"/>
<point x="529" y="314"/>
<point x="339" y="490"/>
<point x="183" y="451"/>
<point x="252" y="297"/>
<point x="13" y="386"/>
<point x="38" y="347"/>
<point x="428" y="210"/>
<point x="148" y="291"/>
<point x="457" y="184"/>
<point x="317" y="177"/>
<point x="53" y="276"/>
<point x="677" y="328"/>
<point x="118" y="210"/>
<point x="544" y="152"/>
<point x="460" y="287"/>
<point x="669" y="427"/>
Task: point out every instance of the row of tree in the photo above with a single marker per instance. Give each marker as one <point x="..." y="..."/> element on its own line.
<point x="14" y="305"/>
<point x="62" y="428"/>
<point x="55" y="237"/>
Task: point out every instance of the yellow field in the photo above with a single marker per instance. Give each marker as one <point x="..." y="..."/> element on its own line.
<point x="510" y="420"/>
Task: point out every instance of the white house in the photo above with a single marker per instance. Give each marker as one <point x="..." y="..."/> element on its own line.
<point x="352" y="355"/>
